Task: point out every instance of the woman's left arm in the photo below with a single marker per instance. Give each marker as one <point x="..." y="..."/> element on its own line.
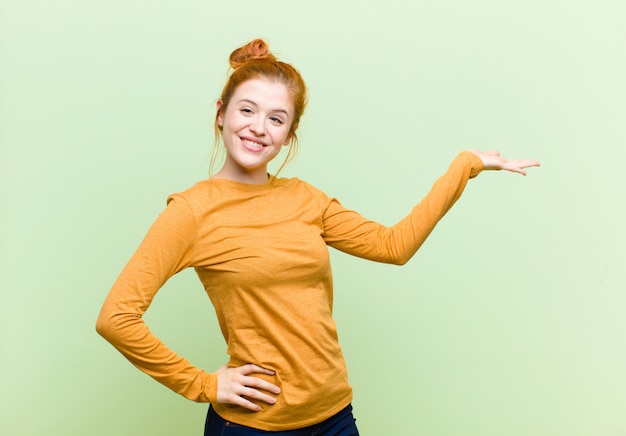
<point x="349" y="232"/>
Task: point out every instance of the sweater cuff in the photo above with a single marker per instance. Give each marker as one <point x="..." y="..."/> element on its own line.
<point x="210" y="387"/>
<point x="476" y="164"/>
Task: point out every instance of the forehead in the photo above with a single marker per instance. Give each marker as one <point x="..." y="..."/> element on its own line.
<point x="269" y="94"/>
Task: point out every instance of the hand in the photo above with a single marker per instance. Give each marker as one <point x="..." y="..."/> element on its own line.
<point x="493" y="161"/>
<point x="236" y="386"/>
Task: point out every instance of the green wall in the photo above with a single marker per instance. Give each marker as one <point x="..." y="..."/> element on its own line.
<point x="509" y="321"/>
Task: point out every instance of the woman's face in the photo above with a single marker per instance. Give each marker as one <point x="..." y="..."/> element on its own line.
<point x="255" y="125"/>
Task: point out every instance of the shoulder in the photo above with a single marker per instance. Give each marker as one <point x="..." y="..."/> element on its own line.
<point x="195" y="197"/>
<point x="300" y="187"/>
<point x="194" y="192"/>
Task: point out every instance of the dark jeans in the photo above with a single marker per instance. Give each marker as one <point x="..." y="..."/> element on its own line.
<point x="341" y="424"/>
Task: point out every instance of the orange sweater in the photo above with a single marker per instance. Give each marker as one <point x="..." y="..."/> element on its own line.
<point x="261" y="253"/>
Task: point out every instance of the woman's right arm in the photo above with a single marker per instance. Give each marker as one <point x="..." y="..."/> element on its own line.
<point x="166" y="250"/>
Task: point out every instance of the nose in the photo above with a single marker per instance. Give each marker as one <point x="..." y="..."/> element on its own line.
<point x="257" y="126"/>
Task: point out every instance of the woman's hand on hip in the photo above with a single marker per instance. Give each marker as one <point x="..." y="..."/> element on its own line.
<point x="493" y="161"/>
<point x="238" y="386"/>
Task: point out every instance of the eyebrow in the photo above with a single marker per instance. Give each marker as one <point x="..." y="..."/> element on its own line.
<point x="246" y="100"/>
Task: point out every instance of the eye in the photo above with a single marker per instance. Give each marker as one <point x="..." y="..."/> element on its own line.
<point x="246" y="111"/>
<point x="277" y="120"/>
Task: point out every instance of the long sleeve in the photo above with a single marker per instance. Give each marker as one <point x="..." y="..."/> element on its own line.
<point x="349" y="232"/>
<point x="165" y="250"/>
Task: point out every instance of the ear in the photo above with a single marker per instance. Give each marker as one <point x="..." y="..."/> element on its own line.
<point x="220" y="114"/>
<point x="291" y="135"/>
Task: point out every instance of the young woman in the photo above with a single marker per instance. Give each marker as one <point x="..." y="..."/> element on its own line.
<point x="259" y="246"/>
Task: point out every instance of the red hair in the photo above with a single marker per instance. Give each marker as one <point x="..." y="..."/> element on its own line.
<point x="253" y="61"/>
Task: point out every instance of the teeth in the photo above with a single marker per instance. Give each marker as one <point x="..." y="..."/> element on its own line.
<point x="252" y="143"/>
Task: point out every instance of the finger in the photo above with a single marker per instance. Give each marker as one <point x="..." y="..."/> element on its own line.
<point x="245" y="403"/>
<point x="251" y="368"/>
<point x="529" y="163"/>
<point x="524" y="163"/>
<point x="517" y="166"/>
<point x="512" y="167"/>
<point x="255" y="394"/>
<point x="242" y="395"/>
<point x="259" y="383"/>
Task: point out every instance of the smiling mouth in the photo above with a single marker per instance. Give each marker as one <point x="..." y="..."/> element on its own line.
<point x="252" y="145"/>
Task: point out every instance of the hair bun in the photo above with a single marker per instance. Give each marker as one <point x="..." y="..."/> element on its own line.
<point x="254" y="50"/>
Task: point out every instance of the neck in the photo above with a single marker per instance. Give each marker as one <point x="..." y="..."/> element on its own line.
<point x="257" y="177"/>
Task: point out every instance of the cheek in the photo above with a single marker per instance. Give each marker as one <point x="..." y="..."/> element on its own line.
<point x="232" y="123"/>
<point x="281" y="136"/>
